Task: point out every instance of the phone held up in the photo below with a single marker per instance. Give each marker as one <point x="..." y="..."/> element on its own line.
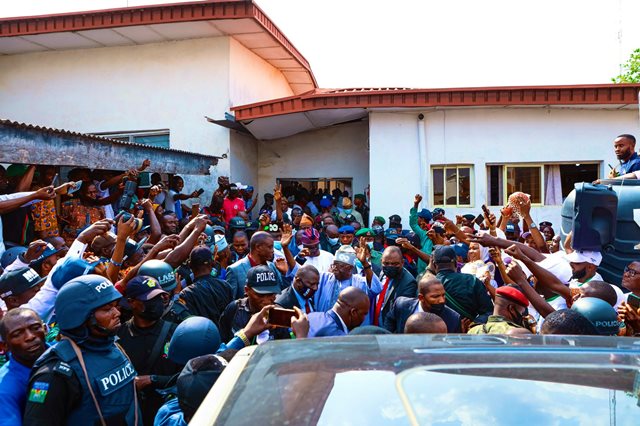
<point x="280" y="317"/>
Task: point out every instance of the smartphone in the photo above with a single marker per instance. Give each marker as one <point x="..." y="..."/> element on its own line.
<point x="479" y="220"/>
<point x="55" y="180"/>
<point x="634" y="301"/>
<point x="200" y="191"/>
<point x="280" y="317"/>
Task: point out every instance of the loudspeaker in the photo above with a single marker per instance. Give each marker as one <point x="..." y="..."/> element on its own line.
<point x="594" y="217"/>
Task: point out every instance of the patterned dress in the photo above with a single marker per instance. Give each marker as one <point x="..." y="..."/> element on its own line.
<point x="76" y="216"/>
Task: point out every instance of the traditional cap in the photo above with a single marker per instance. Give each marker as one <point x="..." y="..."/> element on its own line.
<point x="143" y="288"/>
<point x="220" y="242"/>
<point x="262" y="279"/>
<point x="425" y="214"/>
<point x="309" y="237"/>
<point x="346" y="203"/>
<point x="17" y="282"/>
<point x="580" y="256"/>
<point x="365" y="232"/>
<point x="346" y="254"/>
<point x="444" y="254"/>
<point x="380" y="219"/>
<point x="513" y="294"/>
<point x="306" y="220"/>
<point x="347" y="229"/>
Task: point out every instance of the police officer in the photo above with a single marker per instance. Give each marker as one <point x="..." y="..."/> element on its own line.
<point x="166" y="277"/>
<point x="85" y="379"/>
<point x="509" y="312"/>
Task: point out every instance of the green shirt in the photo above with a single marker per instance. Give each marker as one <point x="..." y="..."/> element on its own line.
<point x="425" y="242"/>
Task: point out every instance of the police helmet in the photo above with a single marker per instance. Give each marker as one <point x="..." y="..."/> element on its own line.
<point x="209" y="232"/>
<point x="161" y="271"/>
<point x="195" y="336"/>
<point x="81" y="296"/>
<point x="237" y="223"/>
<point x="11" y="254"/>
<point x="69" y="269"/>
<point x="600" y="313"/>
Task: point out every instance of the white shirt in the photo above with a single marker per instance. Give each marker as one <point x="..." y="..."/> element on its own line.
<point x="322" y="262"/>
<point x="557" y="302"/>
<point x="104" y="193"/>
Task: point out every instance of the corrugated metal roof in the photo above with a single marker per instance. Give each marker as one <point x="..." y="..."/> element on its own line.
<point x="86" y="136"/>
<point x="318" y="99"/>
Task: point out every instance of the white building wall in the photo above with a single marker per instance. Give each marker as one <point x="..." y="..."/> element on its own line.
<point x="252" y="79"/>
<point x="340" y="151"/>
<point x="244" y="160"/>
<point x="480" y="136"/>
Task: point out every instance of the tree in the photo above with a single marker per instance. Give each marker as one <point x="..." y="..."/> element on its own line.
<point x="631" y="68"/>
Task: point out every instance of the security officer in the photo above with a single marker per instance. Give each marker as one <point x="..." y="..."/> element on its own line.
<point x="85" y="379"/>
<point x="166" y="277"/>
<point x="509" y="312"/>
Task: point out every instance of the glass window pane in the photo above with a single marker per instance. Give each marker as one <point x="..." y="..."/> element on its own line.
<point x="527" y="180"/>
<point x="464" y="186"/>
<point x="451" y="187"/>
<point x="153" y="140"/>
<point x="438" y="187"/>
<point x="494" y="185"/>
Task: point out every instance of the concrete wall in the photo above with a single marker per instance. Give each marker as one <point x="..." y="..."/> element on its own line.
<point x="244" y="160"/>
<point x="252" y="79"/>
<point x="336" y="152"/>
<point x="481" y="136"/>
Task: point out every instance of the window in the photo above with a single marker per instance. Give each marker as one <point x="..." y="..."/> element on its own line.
<point x="157" y="138"/>
<point x="548" y="184"/>
<point x="451" y="185"/>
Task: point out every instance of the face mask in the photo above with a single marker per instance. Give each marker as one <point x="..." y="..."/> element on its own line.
<point x="333" y="241"/>
<point x="153" y="309"/>
<point x="436" y="308"/>
<point x="392" y="271"/>
<point x="370" y="245"/>
<point x="519" y="318"/>
<point x="277" y="245"/>
<point x="346" y="211"/>
<point x="300" y="247"/>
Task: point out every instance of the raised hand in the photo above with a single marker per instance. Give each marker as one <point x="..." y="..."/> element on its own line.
<point x="281" y="265"/>
<point x="277" y="192"/>
<point x="36" y="248"/>
<point x="45" y="193"/>
<point x="417" y="199"/>
<point x="145" y="165"/>
<point x="300" y="324"/>
<point x="515" y="272"/>
<point x="287" y="235"/>
<point x="126" y="228"/>
<point x="515" y="252"/>
<point x="97" y="228"/>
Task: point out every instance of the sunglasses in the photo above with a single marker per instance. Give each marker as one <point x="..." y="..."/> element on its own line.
<point x="631" y="272"/>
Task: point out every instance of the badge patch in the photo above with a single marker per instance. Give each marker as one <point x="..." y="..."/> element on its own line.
<point x="38" y="392"/>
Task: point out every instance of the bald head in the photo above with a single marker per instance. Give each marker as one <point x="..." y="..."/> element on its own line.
<point x="599" y="290"/>
<point x="260" y="237"/>
<point x="425" y="323"/>
<point x="332" y="231"/>
<point x="391" y="252"/>
<point x="354" y="297"/>
<point x="307" y="271"/>
<point x="426" y="282"/>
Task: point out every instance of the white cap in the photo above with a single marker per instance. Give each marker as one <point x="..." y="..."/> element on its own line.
<point x="580" y="256"/>
<point x="558" y="265"/>
<point x="240" y="186"/>
<point x="220" y="242"/>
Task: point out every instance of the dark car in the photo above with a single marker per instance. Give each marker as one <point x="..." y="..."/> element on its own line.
<point x="430" y="379"/>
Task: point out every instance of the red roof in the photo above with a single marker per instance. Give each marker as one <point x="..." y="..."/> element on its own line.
<point x="24" y="28"/>
<point x="591" y="94"/>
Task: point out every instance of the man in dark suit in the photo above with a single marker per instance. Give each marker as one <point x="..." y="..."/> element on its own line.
<point x="349" y="312"/>
<point x="300" y="292"/>
<point x="430" y="299"/>
<point x="260" y="253"/>
<point x="396" y="282"/>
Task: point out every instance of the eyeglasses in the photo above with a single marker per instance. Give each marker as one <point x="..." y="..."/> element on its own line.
<point x="631" y="272"/>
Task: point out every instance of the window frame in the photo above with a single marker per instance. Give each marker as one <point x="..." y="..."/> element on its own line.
<point x="472" y="180"/>
<point x="542" y="166"/>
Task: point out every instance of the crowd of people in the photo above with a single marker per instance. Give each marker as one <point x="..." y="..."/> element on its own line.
<point x="123" y="305"/>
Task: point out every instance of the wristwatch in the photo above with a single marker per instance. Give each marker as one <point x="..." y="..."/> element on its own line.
<point x="533" y="225"/>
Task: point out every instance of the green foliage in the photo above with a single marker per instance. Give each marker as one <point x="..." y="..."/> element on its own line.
<point x="631" y="68"/>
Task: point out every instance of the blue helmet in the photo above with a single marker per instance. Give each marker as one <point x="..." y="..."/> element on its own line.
<point x="70" y="268"/>
<point x="11" y="254"/>
<point x="78" y="298"/>
<point x="600" y="313"/>
<point x="195" y="336"/>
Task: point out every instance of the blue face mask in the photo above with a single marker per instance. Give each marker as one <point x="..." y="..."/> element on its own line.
<point x="347" y="211"/>
<point x="277" y="245"/>
<point x="333" y="241"/>
<point x="370" y="245"/>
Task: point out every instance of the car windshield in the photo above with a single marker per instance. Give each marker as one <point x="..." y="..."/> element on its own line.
<point x="446" y="380"/>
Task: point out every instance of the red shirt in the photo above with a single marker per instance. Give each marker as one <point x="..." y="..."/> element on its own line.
<point x="232" y="208"/>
